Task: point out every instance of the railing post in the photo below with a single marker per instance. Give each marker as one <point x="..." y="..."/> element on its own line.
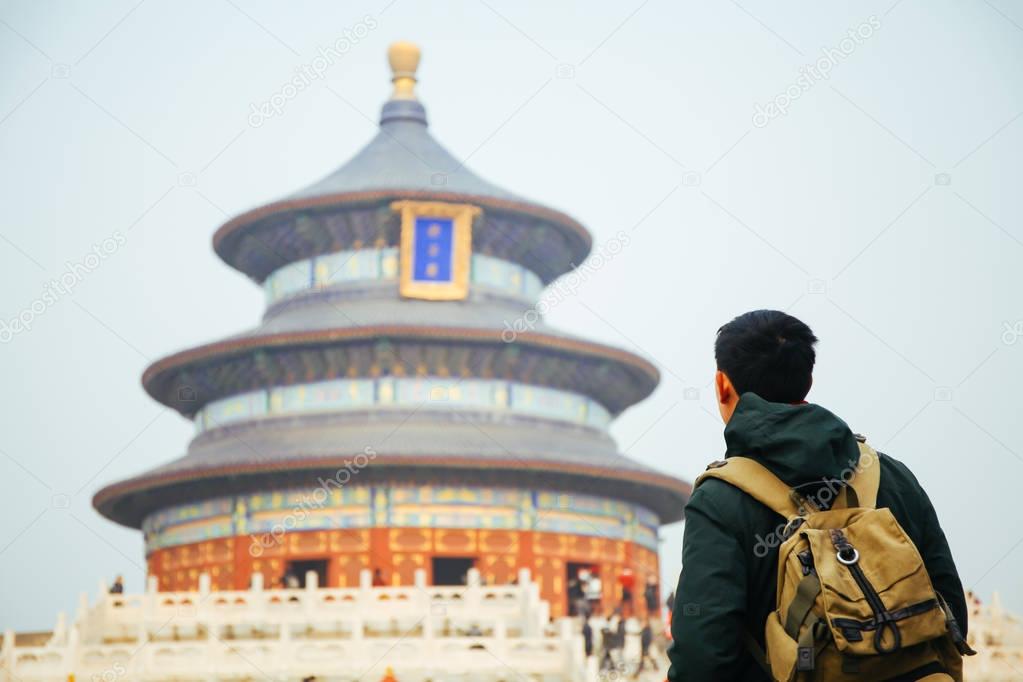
<point x="473" y="597"/>
<point x="525" y="589"/>
<point x="70" y="657"/>
<point x="150" y="601"/>
<point x="312" y="582"/>
<point x="543" y="616"/>
<point x="365" y="598"/>
<point x="60" y="630"/>
<point x="8" y="652"/>
<point x="257" y="601"/>
<point x="421" y="596"/>
<point x="204" y="584"/>
<point x="202" y="609"/>
<point x="82" y="612"/>
<point x="523" y="576"/>
<point x="571" y="647"/>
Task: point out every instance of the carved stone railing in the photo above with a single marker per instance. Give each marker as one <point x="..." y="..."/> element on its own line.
<point x="481" y="632"/>
<point x="998" y="638"/>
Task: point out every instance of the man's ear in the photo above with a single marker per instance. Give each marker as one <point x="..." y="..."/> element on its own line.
<point x="728" y="398"/>
<point x="723" y="388"/>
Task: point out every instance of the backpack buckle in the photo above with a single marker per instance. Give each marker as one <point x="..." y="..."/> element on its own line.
<point x="804" y="659"/>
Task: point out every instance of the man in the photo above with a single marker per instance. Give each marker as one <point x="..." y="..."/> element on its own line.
<point x="593" y="590"/>
<point x="646" y="639"/>
<point x="118" y="586"/>
<point x="613" y="641"/>
<point x="627" y="581"/>
<point x="576" y="600"/>
<point x="727" y="588"/>
<point x="650" y="595"/>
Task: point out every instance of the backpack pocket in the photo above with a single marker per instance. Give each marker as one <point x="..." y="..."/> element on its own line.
<point x="876" y="592"/>
<point x="781" y="649"/>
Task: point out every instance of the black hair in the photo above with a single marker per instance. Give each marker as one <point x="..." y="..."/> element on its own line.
<point x="769" y="353"/>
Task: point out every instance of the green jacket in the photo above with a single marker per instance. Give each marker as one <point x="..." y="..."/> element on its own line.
<point x="729" y="556"/>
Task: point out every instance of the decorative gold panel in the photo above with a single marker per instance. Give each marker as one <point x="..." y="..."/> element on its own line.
<point x="349" y="540"/>
<point x="307" y="543"/>
<point x="457" y="540"/>
<point x="409" y="538"/>
<point x="550" y="544"/>
<point x="456" y="250"/>
<point x="499" y="541"/>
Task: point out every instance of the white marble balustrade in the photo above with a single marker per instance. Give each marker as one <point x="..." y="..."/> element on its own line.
<point x="470" y="632"/>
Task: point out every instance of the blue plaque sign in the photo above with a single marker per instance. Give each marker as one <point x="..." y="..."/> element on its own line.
<point x="436" y="249"/>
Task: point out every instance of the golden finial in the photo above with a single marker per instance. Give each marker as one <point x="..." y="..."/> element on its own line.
<point x="404" y="59"/>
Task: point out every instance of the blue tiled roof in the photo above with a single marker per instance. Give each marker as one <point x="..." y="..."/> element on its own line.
<point x="404" y="156"/>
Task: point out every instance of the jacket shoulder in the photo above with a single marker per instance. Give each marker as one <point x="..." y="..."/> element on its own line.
<point x="712" y="492"/>
<point x="896" y="475"/>
<point x="901" y="492"/>
<point x="722" y="502"/>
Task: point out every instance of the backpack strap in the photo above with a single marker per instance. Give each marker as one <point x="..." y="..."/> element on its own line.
<point x="862" y="488"/>
<point x="757" y="481"/>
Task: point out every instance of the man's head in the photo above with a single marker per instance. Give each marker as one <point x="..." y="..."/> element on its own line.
<point x="767" y="352"/>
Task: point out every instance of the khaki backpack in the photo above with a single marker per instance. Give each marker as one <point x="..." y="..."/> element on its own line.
<point x="854" y="598"/>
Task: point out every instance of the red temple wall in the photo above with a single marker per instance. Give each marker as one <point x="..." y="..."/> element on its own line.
<point x="398" y="552"/>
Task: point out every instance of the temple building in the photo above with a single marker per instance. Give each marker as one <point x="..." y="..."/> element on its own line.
<point x="402" y="406"/>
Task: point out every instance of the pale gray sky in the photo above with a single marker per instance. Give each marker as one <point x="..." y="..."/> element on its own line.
<point x="883" y="208"/>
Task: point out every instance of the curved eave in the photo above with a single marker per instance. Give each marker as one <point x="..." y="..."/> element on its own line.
<point x="225" y="236"/>
<point x="155" y="376"/>
<point x="668" y="504"/>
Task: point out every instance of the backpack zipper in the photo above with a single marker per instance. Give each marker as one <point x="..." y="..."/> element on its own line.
<point x="849" y="557"/>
